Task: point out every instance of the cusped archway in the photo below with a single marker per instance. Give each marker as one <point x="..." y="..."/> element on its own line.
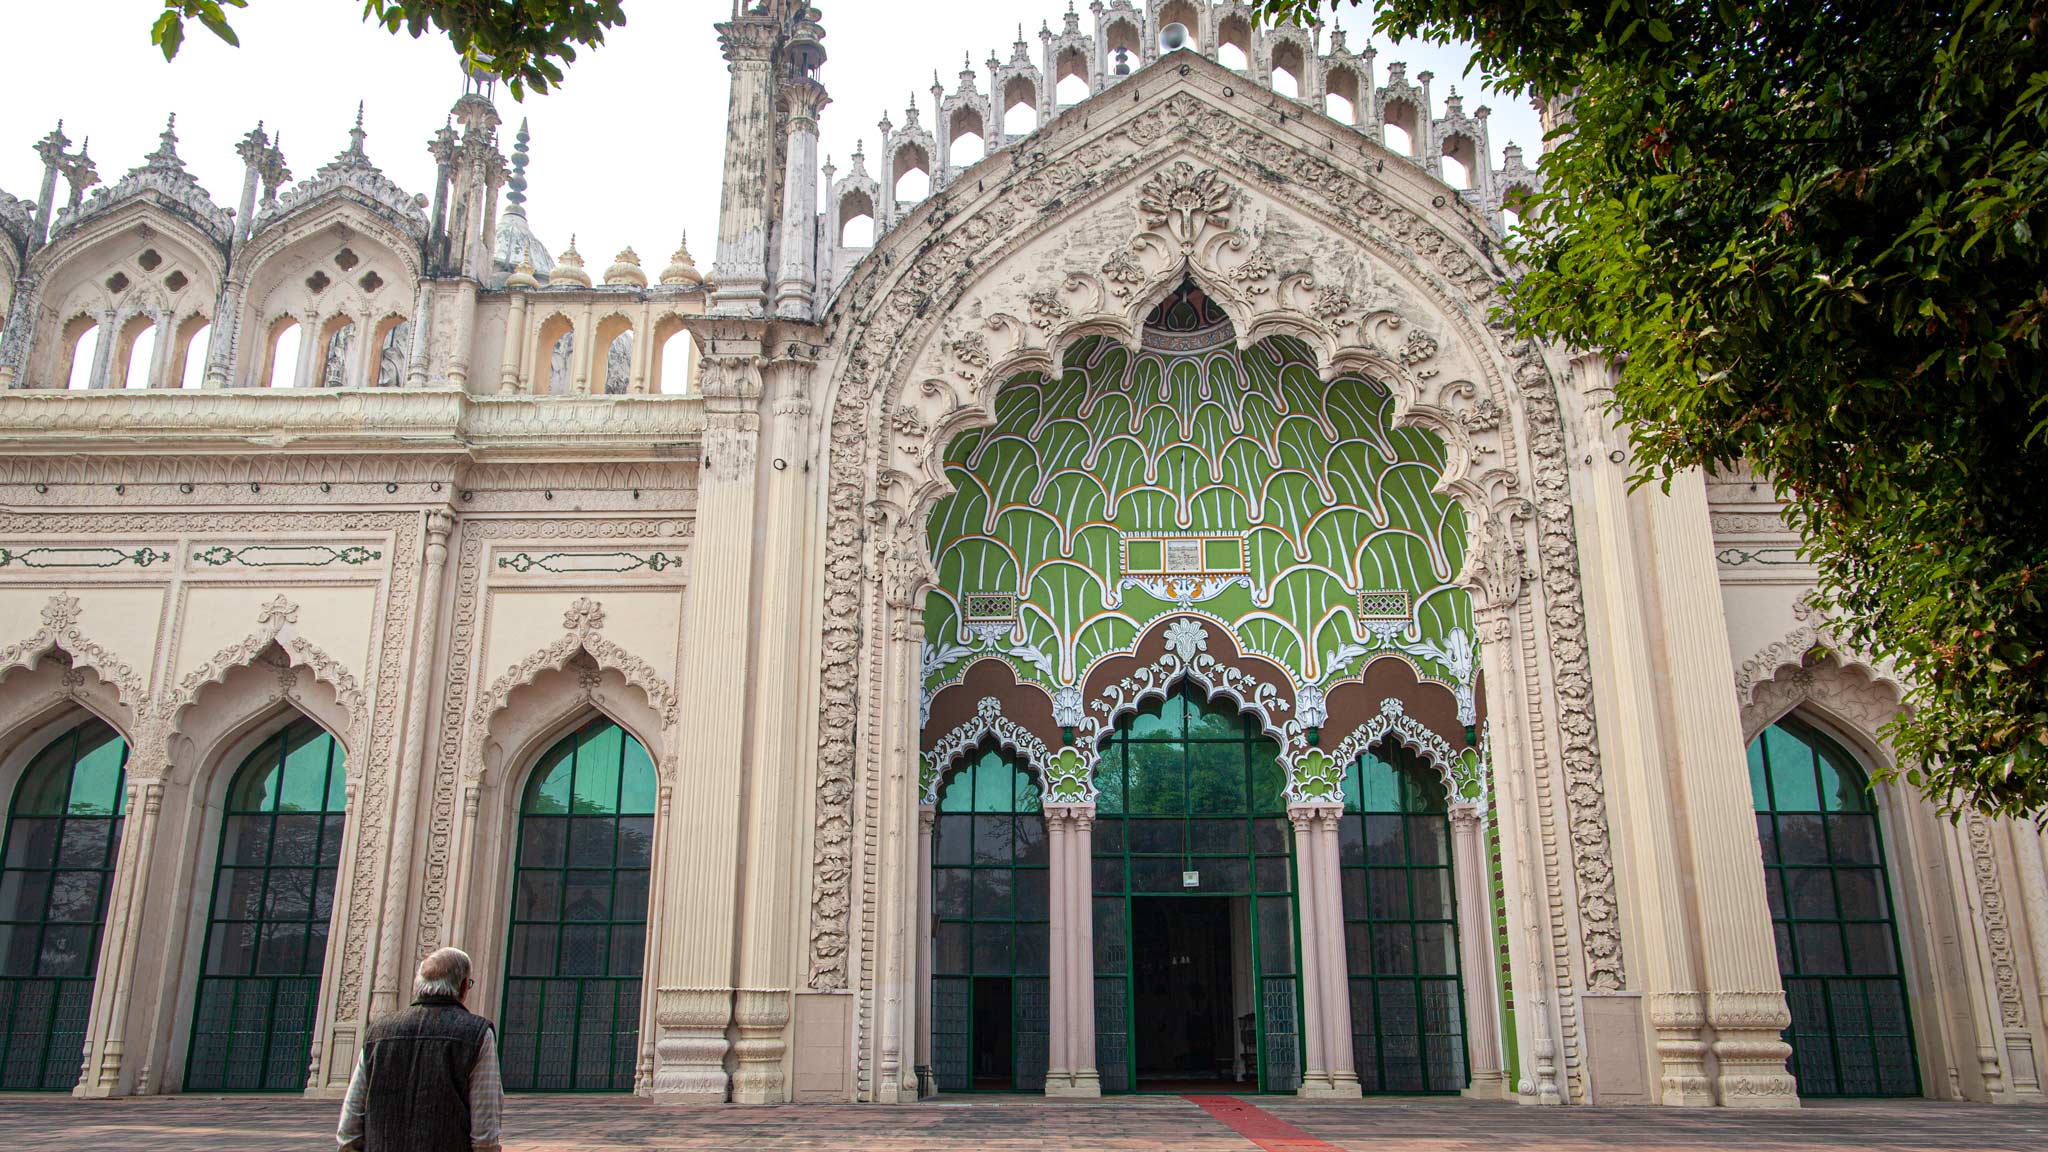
<point x="1295" y="227"/>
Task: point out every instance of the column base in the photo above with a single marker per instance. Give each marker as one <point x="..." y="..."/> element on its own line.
<point x="1080" y="1085"/>
<point x="760" y="1016"/>
<point x="1750" y="1049"/>
<point x="1486" y="1086"/>
<point x="690" y="1045"/>
<point x="1320" y="1085"/>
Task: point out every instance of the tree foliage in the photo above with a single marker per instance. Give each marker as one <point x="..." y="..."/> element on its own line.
<point x="1805" y="231"/>
<point x="527" y="42"/>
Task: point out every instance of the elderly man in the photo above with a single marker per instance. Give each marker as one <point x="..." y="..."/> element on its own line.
<point x="427" y="1077"/>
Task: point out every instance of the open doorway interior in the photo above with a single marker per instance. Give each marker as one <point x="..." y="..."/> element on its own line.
<point x="1194" y="993"/>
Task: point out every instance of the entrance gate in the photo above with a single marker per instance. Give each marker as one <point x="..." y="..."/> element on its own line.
<point x="1196" y="983"/>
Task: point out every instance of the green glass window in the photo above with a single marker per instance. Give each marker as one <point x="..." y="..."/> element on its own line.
<point x="1831" y="909"/>
<point x="1193" y="903"/>
<point x="991" y="935"/>
<point x="1401" y="925"/>
<point x="266" y="932"/>
<point x="579" y="916"/>
<point x="56" y="861"/>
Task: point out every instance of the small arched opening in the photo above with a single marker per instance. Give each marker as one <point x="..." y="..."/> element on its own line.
<point x="135" y="355"/>
<point x="1020" y="107"/>
<point x="913" y="175"/>
<point x="1461" y="161"/>
<point x="856" y="220"/>
<point x="337" y="358"/>
<point x="393" y="344"/>
<point x="1340" y="95"/>
<point x="281" y="361"/>
<point x="969" y="141"/>
<point x="1289" y="69"/>
<point x="1401" y="127"/>
<point x="675" y="357"/>
<point x="189" y="353"/>
<point x="81" y="350"/>
<point x="615" y="336"/>
<point x="558" y="349"/>
<point x="1070" y="78"/>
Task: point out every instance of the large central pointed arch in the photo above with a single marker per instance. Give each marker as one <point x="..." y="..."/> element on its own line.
<point x="1293" y="224"/>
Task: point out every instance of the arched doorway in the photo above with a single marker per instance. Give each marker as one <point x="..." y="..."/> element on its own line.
<point x="578" y="936"/>
<point x="1401" y="924"/>
<point x="991" y="933"/>
<point x="56" y="860"/>
<point x="1831" y="909"/>
<point x="266" y="928"/>
<point x="1196" y="980"/>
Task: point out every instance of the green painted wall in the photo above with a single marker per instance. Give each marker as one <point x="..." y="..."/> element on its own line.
<point x="1327" y="497"/>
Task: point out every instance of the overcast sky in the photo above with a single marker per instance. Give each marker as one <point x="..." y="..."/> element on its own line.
<point x="626" y="152"/>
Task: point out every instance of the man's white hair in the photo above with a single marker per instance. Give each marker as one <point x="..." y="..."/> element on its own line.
<point x="442" y="973"/>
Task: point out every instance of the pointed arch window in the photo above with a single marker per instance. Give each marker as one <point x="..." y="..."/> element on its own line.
<point x="571" y="1020"/>
<point x="1401" y="924"/>
<point x="1831" y="911"/>
<point x="56" y="863"/>
<point x="991" y="940"/>
<point x="266" y="931"/>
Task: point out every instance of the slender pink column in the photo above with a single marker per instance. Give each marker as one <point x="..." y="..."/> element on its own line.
<point x="926" y="814"/>
<point x="1081" y="944"/>
<point x="1308" y="900"/>
<point x="1329" y="944"/>
<point x="1058" y="1076"/>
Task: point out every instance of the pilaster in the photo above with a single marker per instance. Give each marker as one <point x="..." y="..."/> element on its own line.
<point x="1475" y="952"/>
<point x="1745" y="1001"/>
<point x="1622" y="600"/>
<point x="777" y="768"/>
<point x="121" y="946"/>
<point x="695" y="987"/>
<point x="393" y="964"/>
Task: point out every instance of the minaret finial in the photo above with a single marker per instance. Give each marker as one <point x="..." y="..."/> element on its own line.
<point x="356" y="134"/>
<point x="516" y="183"/>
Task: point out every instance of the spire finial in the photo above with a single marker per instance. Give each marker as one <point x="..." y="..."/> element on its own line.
<point x="166" y="154"/>
<point x="356" y="134"/>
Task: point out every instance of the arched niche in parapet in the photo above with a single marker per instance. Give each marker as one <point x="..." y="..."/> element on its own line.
<point x="554" y="366"/>
<point x="1020" y="106"/>
<point x="1343" y="94"/>
<point x="138" y="271"/>
<point x="612" y="371"/>
<point x="332" y="266"/>
<point x="966" y="137"/>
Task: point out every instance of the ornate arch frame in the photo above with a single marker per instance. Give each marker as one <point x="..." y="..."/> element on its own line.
<point x="1946" y="873"/>
<point x="493" y="775"/>
<point x="1295" y="225"/>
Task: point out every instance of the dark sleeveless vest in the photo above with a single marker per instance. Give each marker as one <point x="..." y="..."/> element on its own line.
<point x="416" y="1063"/>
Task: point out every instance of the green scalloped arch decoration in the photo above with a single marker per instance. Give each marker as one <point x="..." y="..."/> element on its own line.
<point x="1051" y="549"/>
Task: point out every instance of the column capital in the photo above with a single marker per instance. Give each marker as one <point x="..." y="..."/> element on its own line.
<point x="1304" y="811"/>
<point x="746" y="40"/>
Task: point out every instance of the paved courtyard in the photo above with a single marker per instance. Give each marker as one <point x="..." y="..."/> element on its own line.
<point x="1192" y="1124"/>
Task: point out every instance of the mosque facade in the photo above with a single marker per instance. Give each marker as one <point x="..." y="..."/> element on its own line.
<point x="1133" y="618"/>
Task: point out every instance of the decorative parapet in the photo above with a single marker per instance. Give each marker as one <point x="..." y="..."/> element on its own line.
<point x="35" y="421"/>
<point x="164" y="179"/>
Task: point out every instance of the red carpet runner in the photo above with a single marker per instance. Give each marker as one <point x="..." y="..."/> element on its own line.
<point x="1260" y="1126"/>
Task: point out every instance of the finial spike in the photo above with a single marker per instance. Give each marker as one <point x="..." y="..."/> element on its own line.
<point x="359" y="113"/>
